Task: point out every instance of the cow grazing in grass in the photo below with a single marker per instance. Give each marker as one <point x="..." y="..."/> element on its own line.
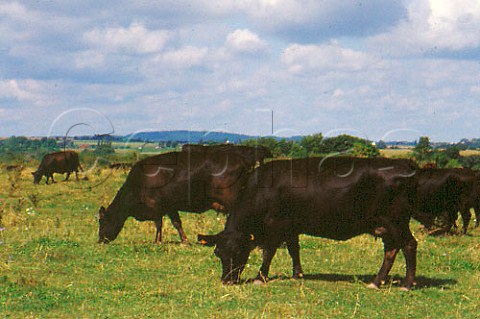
<point x="336" y="198"/>
<point x="58" y="162"/>
<point x="442" y="193"/>
<point x="196" y="179"/>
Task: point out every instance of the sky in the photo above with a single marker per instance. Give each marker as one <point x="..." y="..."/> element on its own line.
<point x="377" y="69"/>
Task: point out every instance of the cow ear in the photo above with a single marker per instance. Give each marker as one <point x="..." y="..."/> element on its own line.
<point x="101" y="213"/>
<point x="207" y="240"/>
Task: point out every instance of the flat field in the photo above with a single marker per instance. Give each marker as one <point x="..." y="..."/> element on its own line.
<point x="52" y="267"/>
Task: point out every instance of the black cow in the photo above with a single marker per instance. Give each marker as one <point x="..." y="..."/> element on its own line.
<point x="58" y="162"/>
<point x="442" y="193"/>
<point x="336" y="198"/>
<point x="196" y="179"/>
<point x="472" y="202"/>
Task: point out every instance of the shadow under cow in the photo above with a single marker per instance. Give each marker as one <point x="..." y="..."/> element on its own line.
<point x="422" y="282"/>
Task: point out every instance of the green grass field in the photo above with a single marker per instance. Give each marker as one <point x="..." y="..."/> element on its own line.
<point x="52" y="267"/>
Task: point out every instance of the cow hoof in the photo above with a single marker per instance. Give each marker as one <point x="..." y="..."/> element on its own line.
<point x="372" y="286"/>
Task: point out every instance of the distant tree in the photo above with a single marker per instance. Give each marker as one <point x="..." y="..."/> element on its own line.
<point x="441" y="159"/>
<point x="365" y="150"/>
<point x="423" y="152"/>
<point x="312" y="144"/>
<point x="381" y="145"/>
<point x="472" y="161"/>
<point x="268" y="142"/>
<point x="453" y="152"/>
<point x="343" y="143"/>
<point x="287" y="148"/>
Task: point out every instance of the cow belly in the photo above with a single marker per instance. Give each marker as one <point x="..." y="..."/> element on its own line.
<point x="337" y="231"/>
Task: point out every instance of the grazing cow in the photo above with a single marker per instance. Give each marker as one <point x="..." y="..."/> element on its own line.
<point x="196" y="179"/>
<point x="442" y="193"/>
<point x="58" y="162"/>
<point x="336" y="198"/>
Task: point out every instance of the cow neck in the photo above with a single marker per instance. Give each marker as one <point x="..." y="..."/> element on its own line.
<point x="120" y="204"/>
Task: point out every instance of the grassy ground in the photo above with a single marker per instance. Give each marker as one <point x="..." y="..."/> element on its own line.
<point x="52" y="267"/>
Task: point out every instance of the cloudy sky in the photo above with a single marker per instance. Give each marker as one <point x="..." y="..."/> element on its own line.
<point x="380" y="69"/>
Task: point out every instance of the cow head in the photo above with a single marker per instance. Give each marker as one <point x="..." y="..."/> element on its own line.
<point x="109" y="226"/>
<point x="37" y="176"/>
<point x="233" y="249"/>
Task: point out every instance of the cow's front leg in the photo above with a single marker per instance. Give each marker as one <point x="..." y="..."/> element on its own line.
<point x="68" y="176"/>
<point x="268" y="253"/>
<point x="49" y="176"/>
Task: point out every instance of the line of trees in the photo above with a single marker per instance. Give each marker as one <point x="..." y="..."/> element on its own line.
<point x="446" y="156"/>
<point x="15" y="149"/>
<point x="316" y="144"/>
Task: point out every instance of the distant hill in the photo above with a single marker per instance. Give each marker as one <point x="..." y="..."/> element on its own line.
<point x="185" y="136"/>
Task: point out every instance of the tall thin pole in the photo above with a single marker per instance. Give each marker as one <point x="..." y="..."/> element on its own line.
<point x="272" y="122"/>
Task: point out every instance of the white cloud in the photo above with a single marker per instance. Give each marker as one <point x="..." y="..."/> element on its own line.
<point x="475" y="89"/>
<point x="433" y="27"/>
<point x="89" y="59"/>
<point x="325" y="57"/>
<point x="136" y="38"/>
<point x="20" y="91"/>
<point x="243" y="40"/>
<point x="185" y="57"/>
<point x="310" y="21"/>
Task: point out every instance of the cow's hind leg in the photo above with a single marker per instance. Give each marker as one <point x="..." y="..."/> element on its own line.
<point x="177" y="223"/>
<point x="390" y="253"/>
<point x="466" y="217"/>
<point x="294" y="251"/>
<point x="68" y="176"/>
<point x="158" y="234"/>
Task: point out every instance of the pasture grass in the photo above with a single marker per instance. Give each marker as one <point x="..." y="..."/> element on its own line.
<point x="52" y="267"/>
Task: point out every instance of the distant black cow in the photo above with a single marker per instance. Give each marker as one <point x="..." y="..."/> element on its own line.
<point x="442" y="193"/>
<point x="59" y="162"/>
<point x="196" y="179"/>
<point x="336" y="198"/>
